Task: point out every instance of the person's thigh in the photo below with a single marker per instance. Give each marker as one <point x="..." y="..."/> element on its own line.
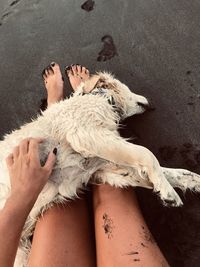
<point x="122" y="236"/>
<point x="64" y="237"/>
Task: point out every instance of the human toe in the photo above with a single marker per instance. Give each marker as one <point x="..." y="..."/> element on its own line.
<point x="85" y="70"/>
<point x="68" y="71"/>
<point x="55" y="67"/>
<point x="47" y="71"/>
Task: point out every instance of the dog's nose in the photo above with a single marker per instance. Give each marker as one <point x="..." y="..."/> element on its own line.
<point x="147" y="106"/>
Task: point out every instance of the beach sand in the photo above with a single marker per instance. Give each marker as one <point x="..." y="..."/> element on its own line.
<point x="153" y="47"/>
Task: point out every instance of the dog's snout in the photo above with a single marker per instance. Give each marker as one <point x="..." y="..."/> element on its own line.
<point x="143" y="105"/>
<point x="146" y="106"/>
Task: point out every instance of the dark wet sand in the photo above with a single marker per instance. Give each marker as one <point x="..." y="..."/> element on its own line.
<point x="154" y="47"/>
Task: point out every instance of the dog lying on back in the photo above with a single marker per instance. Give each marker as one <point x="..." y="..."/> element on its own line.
<point x="84" y="128"/>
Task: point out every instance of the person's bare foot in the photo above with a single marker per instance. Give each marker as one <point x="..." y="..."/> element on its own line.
<point x="54" y="83"/>
<point x="76" y="75"/>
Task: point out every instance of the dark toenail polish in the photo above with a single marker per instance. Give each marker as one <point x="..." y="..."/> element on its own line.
<point x="68" y="68"/>
<point x="44" y="74"/>
<point x="50" y="69"/>
<point x="55" y="151"/>
<point x="63" y="79"/>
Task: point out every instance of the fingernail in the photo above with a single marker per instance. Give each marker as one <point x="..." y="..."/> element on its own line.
<point x="63" y="79"/>
<point x="55" y="151"/>
<point x="52" y="64"/>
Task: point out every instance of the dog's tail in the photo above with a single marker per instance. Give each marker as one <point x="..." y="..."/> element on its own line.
<point x="182" y="179"/>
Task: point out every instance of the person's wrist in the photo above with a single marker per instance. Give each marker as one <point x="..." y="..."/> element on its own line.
<point x="24" y="198"/>
<point x="16" y="206"/>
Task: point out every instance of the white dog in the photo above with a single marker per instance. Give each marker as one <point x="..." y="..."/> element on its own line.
<point x="90" y="149"/>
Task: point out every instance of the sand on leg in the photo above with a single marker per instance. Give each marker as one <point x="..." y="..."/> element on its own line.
<point x="122" y="236"/>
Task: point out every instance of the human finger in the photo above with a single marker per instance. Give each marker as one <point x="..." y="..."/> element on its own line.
<point x="34" y="142"/>
<point x="24" y="146"/>
<point x="33" y="150"/>
<point x="15" y="152"/>
<point x="50" y="160"/>
<point x="9" y="160"/>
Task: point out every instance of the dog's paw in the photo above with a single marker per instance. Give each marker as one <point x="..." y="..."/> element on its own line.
<point x="171" y="199"/>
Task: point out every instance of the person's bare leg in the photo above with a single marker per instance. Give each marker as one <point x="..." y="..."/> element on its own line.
<point x="122" y="236"/>
<point x="63" y="235"/>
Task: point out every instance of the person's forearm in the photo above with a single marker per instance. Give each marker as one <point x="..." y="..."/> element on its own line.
<point x="27" y="178"/>
<point x="12" y="219"/>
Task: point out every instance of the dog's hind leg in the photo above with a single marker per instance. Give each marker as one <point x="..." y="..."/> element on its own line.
<point x="110" y="146"/>
<point x="119" y="176"/>
<point x="182" y="179"/>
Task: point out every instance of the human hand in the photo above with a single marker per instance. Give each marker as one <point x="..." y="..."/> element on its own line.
<point x="27" y="176"/>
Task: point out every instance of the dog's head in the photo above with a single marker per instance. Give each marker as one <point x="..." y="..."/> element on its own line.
<point x="127" y="102"/>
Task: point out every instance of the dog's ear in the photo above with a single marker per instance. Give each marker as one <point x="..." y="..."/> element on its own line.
<point x="91" y="83"/>
<point x="106" y="84"/>
<point x="101" y="82"/>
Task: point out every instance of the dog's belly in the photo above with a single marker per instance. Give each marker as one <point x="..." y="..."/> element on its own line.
<point x="76" y="175"/>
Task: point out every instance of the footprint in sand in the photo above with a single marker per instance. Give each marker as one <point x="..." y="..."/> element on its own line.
<point x="88" y="5"/>
<point x="109" y="49"/>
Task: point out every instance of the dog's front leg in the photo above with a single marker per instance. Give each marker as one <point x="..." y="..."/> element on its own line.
<point x="119" y="176"/>
<point x="113" y="148"/>
<point x="182" y="179"/>
<point x="137" y="156"/>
